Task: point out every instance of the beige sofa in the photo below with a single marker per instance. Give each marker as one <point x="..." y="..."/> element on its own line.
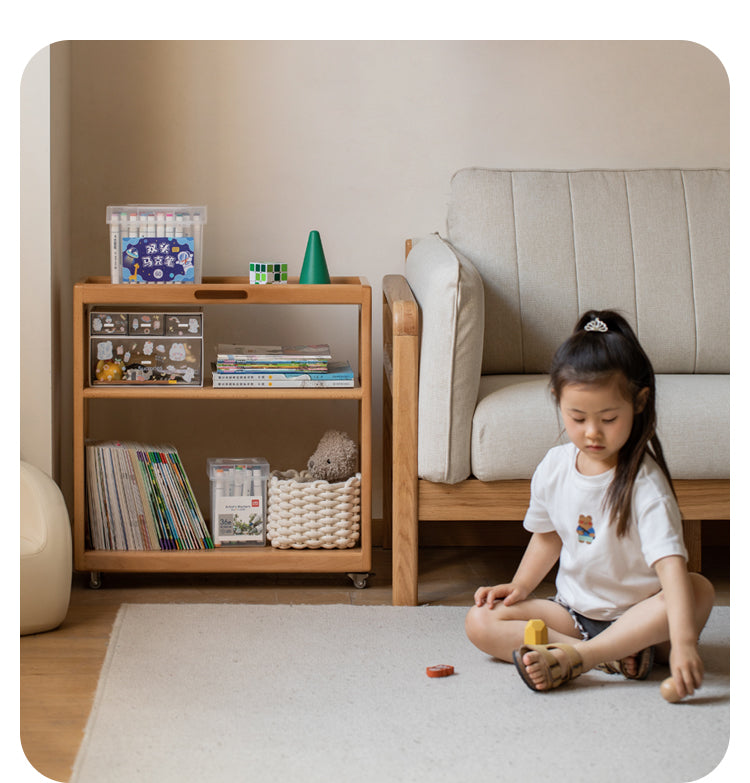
<point x="469" y="331"/>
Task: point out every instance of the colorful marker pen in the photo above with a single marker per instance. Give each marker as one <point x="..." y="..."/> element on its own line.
<point x="197" y="247"/>
<point x="115" y="263"/>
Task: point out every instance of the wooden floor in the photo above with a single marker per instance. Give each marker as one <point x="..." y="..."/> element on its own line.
<point x="60" y="669"/>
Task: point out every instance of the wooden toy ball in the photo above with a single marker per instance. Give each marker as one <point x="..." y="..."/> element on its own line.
<point x="669" y="691"/>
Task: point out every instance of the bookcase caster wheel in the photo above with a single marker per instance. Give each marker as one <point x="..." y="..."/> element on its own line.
<point x="95" y="580"/>
<point x="360" y="580"/>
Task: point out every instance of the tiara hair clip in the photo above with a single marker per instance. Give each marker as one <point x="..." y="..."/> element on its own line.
<point x="596" y="326"/>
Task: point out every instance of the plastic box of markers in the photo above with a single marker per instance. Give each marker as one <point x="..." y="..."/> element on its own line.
<point x="238" y="501"/>
<point x="156" y="243"/>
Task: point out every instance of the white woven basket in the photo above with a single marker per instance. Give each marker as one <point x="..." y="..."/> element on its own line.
<point x="304" y="513"/>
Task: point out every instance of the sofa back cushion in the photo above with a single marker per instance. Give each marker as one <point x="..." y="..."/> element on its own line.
<point x="449" y="292"/>
<point x="653" y="244"/>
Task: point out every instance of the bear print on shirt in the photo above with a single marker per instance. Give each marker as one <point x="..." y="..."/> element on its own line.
<point x="585" y="530"/>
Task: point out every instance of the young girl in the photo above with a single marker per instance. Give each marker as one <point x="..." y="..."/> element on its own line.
<point x="603" y="505"/>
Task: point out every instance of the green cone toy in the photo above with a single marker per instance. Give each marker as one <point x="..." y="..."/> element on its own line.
<point x="314" y="268"/>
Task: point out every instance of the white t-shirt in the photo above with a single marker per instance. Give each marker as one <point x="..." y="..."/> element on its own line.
<point x="601" y="575"/>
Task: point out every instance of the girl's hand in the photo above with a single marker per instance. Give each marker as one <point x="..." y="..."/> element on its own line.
<point x="679" y="594"/>
<point x="686" y="668"/>
<point x="507" y="594"/>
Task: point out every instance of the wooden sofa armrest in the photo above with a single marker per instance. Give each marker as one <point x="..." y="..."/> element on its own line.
<point x="400" y="317"/>
<point x="400" y="298"/>
<point x="400" y="408"/>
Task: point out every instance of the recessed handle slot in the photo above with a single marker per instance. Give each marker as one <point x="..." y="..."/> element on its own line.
<point x="208" y="294"/>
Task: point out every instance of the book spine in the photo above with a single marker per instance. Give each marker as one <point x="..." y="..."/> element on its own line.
<point x="269" y="367"/>
<point x="284" y="383"/>
<point x="140" y="498"/>
<point x="166" y="539"/>
<point x="284" y="376"/>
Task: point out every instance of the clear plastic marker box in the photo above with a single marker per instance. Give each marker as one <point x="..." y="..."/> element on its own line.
<point x="238" y="501"/>
<point x="156" y="243"/>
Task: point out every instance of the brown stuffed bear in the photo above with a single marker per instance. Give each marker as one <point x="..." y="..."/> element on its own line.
<point x="335" y="458"/>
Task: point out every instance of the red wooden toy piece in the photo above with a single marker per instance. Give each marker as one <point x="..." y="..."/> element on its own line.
<point x="441" y="670"/>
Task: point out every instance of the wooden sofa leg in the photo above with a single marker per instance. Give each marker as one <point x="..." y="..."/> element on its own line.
<point x="691" y="529"/>
<point x="405" y="497"/>
<point x="405" y="550"/>
<point x="387" y="468"/>
<point x="400" y="501"/>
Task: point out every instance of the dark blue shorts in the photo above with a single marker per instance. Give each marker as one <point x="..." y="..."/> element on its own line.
<point x="587" y="627"/>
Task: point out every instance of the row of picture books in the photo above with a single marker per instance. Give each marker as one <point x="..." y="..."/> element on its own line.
<point x="293" y="366"/>
<point x="140" y="498"/>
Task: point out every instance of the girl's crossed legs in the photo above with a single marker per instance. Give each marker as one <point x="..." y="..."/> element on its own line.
<point x="500" y="630"/>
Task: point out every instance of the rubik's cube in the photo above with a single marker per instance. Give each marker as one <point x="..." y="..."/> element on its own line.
<point x="263" y="274"/>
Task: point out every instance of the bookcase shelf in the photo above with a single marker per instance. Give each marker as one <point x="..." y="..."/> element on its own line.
<point x="97" y="291"/>
<point x="211" y="393"/>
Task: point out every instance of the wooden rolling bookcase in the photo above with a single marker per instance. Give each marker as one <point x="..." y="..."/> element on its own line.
<point x="355" y="291"/>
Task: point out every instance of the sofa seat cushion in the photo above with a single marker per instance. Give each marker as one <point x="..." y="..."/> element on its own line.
<point x="516" y="422"/>
<point x="693" y="424"/>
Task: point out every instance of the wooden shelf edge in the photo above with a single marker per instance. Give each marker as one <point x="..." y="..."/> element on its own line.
<point x="244" y="560"/>
<point x="103" y="280"/>
<point x="223" y="290"/>
<point x="213" y="393"/>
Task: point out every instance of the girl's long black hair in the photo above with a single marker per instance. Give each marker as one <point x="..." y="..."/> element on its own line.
<point x="594" y="357"/>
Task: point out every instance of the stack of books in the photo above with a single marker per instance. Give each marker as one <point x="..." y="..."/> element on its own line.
<point x="140" y="498"/>
<point x="279" y="366"/>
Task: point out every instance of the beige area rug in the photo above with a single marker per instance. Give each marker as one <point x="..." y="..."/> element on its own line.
<point x="224" y="692"/>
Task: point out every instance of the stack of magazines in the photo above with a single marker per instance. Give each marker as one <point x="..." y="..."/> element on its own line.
<point x="140" y="498"/>
<point x="290" y="366"/>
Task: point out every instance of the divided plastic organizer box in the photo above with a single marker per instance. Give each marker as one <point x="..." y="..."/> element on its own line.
<point x="156" y="243"/>
<point x="238" y="501"/>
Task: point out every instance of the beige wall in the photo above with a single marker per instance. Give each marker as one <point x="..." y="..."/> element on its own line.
<point x="358" y="140"/>
<point x="36" y="398"/>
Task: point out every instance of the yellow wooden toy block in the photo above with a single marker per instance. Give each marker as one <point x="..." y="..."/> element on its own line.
<point x="535" y="632"/>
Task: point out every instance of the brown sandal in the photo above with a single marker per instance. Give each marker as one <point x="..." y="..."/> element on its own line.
<point x="554" y="676"/>
<point x="644" y="659"/>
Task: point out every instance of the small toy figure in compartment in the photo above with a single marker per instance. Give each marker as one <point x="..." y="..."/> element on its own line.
<point x="138" y="373"/>
<point x="107" y="367"/>
<point x="109" y="370"/>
